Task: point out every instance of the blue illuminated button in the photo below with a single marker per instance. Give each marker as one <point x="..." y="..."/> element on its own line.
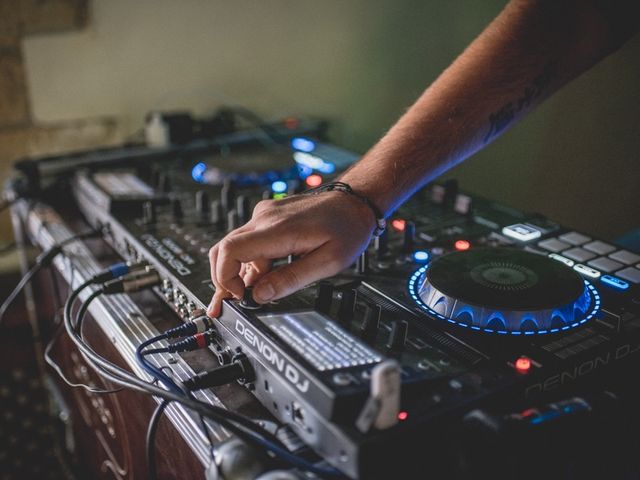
<point x="522" y="232"/>
<point x="614" y="282"/>
<point x="420" y="256"/>
<point x="279" y="186"/>
<point x="303" y="144"/>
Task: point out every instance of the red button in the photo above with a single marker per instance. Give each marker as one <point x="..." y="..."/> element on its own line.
<point x="313" y="180"/>
<point x="523" y="365"/>
<point x="398" y="224"/>
<point x="461" y="245"/>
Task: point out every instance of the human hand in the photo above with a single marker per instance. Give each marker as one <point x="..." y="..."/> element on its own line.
<point x="326" y="231"/>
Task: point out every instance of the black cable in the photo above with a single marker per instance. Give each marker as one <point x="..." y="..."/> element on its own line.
<point x="43" y="260"/>
<point x="238" y="424"/>
<point x="150" y="441"/>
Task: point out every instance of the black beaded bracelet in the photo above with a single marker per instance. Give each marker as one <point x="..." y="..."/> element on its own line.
<point x="381" y="223"/>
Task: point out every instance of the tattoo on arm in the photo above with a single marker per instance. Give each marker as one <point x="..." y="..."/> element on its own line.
<point x="500" y="119"/>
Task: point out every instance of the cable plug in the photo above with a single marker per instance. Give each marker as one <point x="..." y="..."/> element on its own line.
<point x="118" y="270"/>
<point x="195" y="342"/>
<point x="133" y="282"/>
<point x="197" y="325"/>
<point x="239" y="369"/>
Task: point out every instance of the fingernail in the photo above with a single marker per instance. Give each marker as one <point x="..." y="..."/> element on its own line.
<point x="263" y="292"/>
<point x="210" y="308"/>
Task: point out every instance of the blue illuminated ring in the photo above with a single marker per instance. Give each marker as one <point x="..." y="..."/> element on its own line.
<point x="414" y="281"/>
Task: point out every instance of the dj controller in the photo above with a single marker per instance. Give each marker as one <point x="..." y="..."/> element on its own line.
<point x="466" y="326"/>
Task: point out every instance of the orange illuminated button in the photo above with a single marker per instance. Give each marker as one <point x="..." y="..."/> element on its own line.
<point x="523" y="365"/>
<point x="462" y="245"/>
<point x="398" y="224"/>
<point x="313" y="180"/>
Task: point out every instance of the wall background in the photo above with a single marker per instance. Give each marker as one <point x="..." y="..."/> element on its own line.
<point x="358" y="63"/>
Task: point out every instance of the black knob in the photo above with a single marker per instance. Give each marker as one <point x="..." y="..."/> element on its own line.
<point x="232" y="220"/>
<point x="409" y="237"/>
<point x="217" y="214"/>
<point x="347" y="306"/>
<point x="243" y="208"/>
<point x="450" y="192"/>
<point x="164" y="183"/>
<point x="362" y="264"/>
<point x="371" y="321"/>
<point x="203" y="205"/>
<point x="324" y="296"/>
<point x="381" y="245"/>
<point x="148" y="213"/>
<point x="398" y="335"/>
<point x="176" y="209"/>
<point x="266" y="194"/>
<point x="247" y="300"/>
<point x="227" y="194"/>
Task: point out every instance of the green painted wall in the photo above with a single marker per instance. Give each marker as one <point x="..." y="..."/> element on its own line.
<point x="360" y="64"/>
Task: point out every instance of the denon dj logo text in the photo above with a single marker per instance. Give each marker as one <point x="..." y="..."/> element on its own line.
<point x="582" y="369"/>
<point x="290" y="372"/>
<point x="166" y="254"/>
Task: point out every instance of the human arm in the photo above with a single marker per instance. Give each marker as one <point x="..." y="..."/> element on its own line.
<point x="529" y="51"/>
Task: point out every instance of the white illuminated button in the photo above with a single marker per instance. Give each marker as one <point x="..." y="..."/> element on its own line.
<point x="522" y="232"/>
<point x="560" y="258"/>
<point x="586" y="271"/>
<point x="462" y="204"/>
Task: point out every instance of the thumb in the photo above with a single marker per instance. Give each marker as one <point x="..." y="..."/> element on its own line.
<point x="287" y="279"/>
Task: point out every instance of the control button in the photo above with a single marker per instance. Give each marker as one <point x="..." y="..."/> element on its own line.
<point x="148" y="213"/>
<point x="313" y="181"/>
<point x="409" y="236"/>
<point x="324" y="296"/>
<point x="420" y="256"/>
<point x="522" y="232"/>
<point x="586" y="271"/>
<point x="362" y="264"/>
<point x="342" y="379"/>
<point x="578" y="254"/>
<point x="279" y="186"/>
<point x="614" y="282"/>
<point x="398" y="335"/>
<point x="605" y="264"/>
<point x="176" y="209"/>
<point x="381" y="245"/>
<point x="227" y="194"/>
<point x="371" y="320"/>
<point x="437" y="194"/>
<point x="217" y="213"/>
<point x="202" y="202"/>
<point x="630" y="273"/>
<point x="574" y="238"/>
<point x="625" y="257"/>
<point x="462" y="204"/>
<point x="247" y="300"/>
<point x="599" y="247"/>
<point x="232" y="220"/>
<point x="553" y="245"/>
<point x="523" y="365"/>
<point x="398" y="224"/>
<point x="347" y="306"/>
<point x="560" y="258"/>
<point x="243" y="208"/>
<point x="424" y="365"/>
<point x="462" y="245"/>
